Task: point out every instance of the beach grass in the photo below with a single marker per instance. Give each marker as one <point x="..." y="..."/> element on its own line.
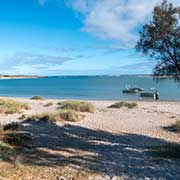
<point x="63" y="114"/>
<point x="37" y="98"/>
<point x="8" y="106"/>
<point x="11" y="127"/>
<point x="123" y="104"/>
<point x="174" y="127"/>
<point x="7" y="152"/>
<point x="77" y="106"/>
<point x="48" y="104"/>
<point x="169" y="151"/>
<point x="17" y="138"/>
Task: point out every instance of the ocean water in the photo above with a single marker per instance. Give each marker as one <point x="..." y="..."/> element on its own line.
<point x="87" y="87"/>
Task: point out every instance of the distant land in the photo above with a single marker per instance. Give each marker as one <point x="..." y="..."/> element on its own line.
<point x="20" y="76"/>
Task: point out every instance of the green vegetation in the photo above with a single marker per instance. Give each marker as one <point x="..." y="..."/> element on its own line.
<point x="124" y="104"/>
<point x="17" y="138"/>
<point x="176" y="127"/>
<point x="77" y="106"/>
<point x="160" y="39"/>
<point x="10" y="139"/>
<point x="10" y="106"/>
<point x="11" y="127"/>
<point x="37" y="98"/>
<point x="48" y="104"/>
<point x="22" y="117"/>
<point x="66" y="115"/>
<point x="167" y="151"/>
<point x="7" y="152"/>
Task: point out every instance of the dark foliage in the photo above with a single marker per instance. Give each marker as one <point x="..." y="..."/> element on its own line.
<point x="160" y="39"/>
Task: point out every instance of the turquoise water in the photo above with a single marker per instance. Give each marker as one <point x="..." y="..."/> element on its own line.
<point x="83" y="87"/>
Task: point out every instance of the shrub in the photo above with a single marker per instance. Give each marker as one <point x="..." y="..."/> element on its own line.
<point x="37" y="98"/>
<point x="11" y="127"/>
<point x="70" y="115"/>
<point x="19" y="138"/>
<point x="123" y="104"/>
<point x="176" y="127"/>
<point x="77" y="106"/>
<point x="167" y="151"/>
<point x="66" y="115"/>
<point x="23" y="116"/>
<point x="7" y="152"/>
<point x="48" y="104"/>
<point x="10" y="106"/>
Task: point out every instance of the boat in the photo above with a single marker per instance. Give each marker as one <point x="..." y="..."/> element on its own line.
<point x="132" y="90"/>
<point x="153" y="93"/>
<point x="147" y="95"/>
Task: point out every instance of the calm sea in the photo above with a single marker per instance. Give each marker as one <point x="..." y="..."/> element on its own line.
<point x="85" y="87"/>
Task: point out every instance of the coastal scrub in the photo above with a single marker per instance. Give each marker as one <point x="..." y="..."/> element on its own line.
<point x="77" y="106"/>
<point x="66" y="115"/>
<point x="37" y="98"/>
<point x="123" y="104"/>
<point x="8" y="106"/>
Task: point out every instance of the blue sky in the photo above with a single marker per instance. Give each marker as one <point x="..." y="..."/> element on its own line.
<point x="73" y="37"/>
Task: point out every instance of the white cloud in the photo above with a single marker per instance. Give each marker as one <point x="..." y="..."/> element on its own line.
<point x="115" y="19"/>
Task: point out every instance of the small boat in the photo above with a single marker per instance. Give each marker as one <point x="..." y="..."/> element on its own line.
<point x="153" y="93"/>
<point x="147" y="95"/>
<point x="132" y="90"/>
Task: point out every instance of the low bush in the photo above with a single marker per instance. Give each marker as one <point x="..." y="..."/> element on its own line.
<point x="10" y="106"/>
<point x="17" y="138"/>
<point x="11" y="127"/>
<point x="7" y="152"/>
<point x="48" y="104"/>
<point x="66" y="115"/>
<point x="37" y="98"/>
<point x="123" y="104"/>
<point x="77" y="106"/>
<point x="167" y="151"/>
<point x="175" y="127"/>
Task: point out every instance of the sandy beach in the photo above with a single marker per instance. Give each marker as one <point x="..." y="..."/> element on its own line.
<point x="116" y="138"/>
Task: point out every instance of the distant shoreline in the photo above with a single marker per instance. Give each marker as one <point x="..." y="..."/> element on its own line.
<point x="21" y="76"/>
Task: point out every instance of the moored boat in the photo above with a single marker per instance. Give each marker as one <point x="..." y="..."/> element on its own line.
<point x="132" y="90"/>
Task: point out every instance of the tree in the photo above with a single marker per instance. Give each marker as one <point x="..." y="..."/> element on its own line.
<point x="160" y="39"/>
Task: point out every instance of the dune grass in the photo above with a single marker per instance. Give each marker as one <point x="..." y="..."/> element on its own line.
<point x="7" y="152"/>
<point x="48" y="104"/>
<point x="12" y="134"/>
<point x="11" y="139"/>
<point x="175" y="127"/>
<point x="66" y="115"/>
<point x="37" y="98"/>
<point x="17" y="139"/>
<point x="123" y="104"/>
<point x="169" y="151"/>
<point x="77" y="106"/>
<point x="11" y="127"/>
<point x="8" y="106"/>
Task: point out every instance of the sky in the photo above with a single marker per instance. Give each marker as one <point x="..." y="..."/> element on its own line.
<point x="73" y="37"/>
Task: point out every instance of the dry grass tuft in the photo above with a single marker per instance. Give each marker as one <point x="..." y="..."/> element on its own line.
<point x="37" y="98"/>
<point x="48" y="104"/>
<point x="77" y="106"/>
<point x="61" y="115"/>
<point x="10" y="106"/>
<point x="17" y="139"/>
<point x="174" y="128"/>
<point x="124" y="104"/>
<point x="168" y="151"/>
<point x="7" y="152"/>
<point x="11" y="127"/>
